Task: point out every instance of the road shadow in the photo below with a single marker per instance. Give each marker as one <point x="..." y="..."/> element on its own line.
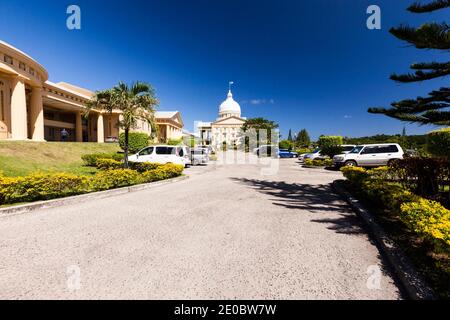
<point x="318" y="199"/>
<point x="321" y="200"/>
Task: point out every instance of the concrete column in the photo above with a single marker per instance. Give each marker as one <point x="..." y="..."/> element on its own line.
<point x="100" y="129"/>
<point x="19" y="130"/>
<point x="78" y="127"/>
<point x="37" y="115"/>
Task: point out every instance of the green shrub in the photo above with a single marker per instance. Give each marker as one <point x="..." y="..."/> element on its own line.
<point x="108" y="164"/>
<point x="330" y="145"/>
<point x="438" y="143"/>
<point x="303" y="150"/>
<point x="430" y="220"/>
<point x="40" y="186"/>
<point x="356" y="175"/>
<point x="91" y="159"/>
<point x="175" y="142"/>
<point x="318" y="162"/>
<point x="308" y="162"/>
<point x="136" y="141"/>
<point x="166" y="171"/>
<point x="116" y="178"/>
<point x="144" y="166"/>
<point x="286" y="144"/>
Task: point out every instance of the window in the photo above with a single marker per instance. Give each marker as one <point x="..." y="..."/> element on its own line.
<point x="371" y="150"/>
<point x="393" y="148"/>
<point x="146" y="152"/>
<point x="162" y="150"/>
<point x="8" y="59"/>
<point x="32" y="71"/>
<point x="22" y="66"/>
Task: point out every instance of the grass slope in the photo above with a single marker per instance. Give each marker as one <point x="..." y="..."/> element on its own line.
<point x="18" y="158"/>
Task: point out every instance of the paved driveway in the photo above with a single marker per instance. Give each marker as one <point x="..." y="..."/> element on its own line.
<point x="227" y="232"/>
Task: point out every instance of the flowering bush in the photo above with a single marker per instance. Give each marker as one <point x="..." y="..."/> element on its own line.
<point x="430" y="220"/>
<point x="40" y="186"/>
<point x="90" y="160"/>
<point x="318" y="162"/>
<point x="108" y="164"/>
<point x="44" y="186"/>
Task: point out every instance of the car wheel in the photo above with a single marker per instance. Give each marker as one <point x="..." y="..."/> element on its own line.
<point x="351" y="163"/>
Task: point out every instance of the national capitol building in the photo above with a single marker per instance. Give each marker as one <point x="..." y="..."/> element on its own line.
<point x="227" y="127"/>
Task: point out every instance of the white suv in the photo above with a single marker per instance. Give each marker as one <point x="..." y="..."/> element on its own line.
<point x="163" y="154"/>
<point x="370" y="155"/>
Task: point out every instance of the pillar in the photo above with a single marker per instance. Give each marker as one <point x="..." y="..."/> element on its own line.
<point x="78" y="127"/>
<point x="100" y="129"/>
<point x="37" y="115"/>
<point x="19" y="130"/>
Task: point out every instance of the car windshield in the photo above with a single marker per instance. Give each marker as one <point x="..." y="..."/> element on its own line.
<point x="357" y="149"/>
<point x="316" y="150"/>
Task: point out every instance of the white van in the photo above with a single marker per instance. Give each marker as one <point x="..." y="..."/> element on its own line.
<point x="370" y="155"/>
<point x="163" y="154"/>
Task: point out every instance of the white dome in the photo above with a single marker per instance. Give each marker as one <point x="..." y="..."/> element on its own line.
<point x="230" y="106"/>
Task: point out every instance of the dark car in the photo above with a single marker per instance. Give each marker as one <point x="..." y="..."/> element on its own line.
<point x="284" y="153"/>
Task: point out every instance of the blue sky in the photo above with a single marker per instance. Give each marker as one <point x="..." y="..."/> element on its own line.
<point x="304" y="64"/>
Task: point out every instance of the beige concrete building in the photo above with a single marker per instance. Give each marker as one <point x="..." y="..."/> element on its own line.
<point x="227" y="127"/>
<point x="33" y="108"/>
<point x="170" y="125"/>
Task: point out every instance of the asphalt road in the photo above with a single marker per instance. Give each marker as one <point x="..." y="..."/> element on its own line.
<point x="228" y="232"/>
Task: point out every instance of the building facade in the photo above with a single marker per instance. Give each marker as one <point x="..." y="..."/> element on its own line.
<point x="33" y="108"/>
<point x="227" y="127"/>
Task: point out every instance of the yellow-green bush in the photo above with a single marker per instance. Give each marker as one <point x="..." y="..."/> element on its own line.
<point x="115" y="178"/>
<point x="144" y="166"/>
<point x="90" y="160"/>
<point x="163" y="172"/>
<point x="430" y="220"/>
<point x="40" y="186"/>
<point x="108" y="164"/>
<point x="356" y="175"/>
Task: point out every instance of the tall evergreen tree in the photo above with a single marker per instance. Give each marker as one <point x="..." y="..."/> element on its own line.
<point x="290" y="135"/>
<point x="303" y="139"/>
<point x="434" y="108"/>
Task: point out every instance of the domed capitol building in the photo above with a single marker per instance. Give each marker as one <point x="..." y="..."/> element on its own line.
<point x="226" y="128"/>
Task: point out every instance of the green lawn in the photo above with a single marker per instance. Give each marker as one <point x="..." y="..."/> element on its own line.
<point x="20" y="158"/>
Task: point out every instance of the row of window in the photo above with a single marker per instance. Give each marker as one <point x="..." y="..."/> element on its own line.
<point x="9" y="60"/>
<point x="380" y="149"/>
<point x="65" y="95"/>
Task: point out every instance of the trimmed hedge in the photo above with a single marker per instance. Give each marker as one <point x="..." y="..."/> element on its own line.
<point x="438" y="143"/>
<point x="90" y="160"/>
<point x="109" y="164"/>
<point x="136" y="141"/>
<point x="318" y="162"/>
<point x="330" y="145"/>
<point x="45" y="186"/>
<point x="428" y="219"/>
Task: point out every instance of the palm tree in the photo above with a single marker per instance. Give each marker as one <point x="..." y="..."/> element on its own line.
<point x="136" y="103"/>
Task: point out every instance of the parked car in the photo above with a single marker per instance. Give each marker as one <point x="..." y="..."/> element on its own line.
<point x="317" y="155"/>
<point x="370" y="155"/>
<point x="314" y="155"/>
<point x="199" y="156"/>
<point x="285" y="153"/>
<point x="163" y="154"/>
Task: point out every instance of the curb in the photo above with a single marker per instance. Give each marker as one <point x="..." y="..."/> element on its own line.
<point x="411" y="281"/>
<point x="25" y="208"/>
